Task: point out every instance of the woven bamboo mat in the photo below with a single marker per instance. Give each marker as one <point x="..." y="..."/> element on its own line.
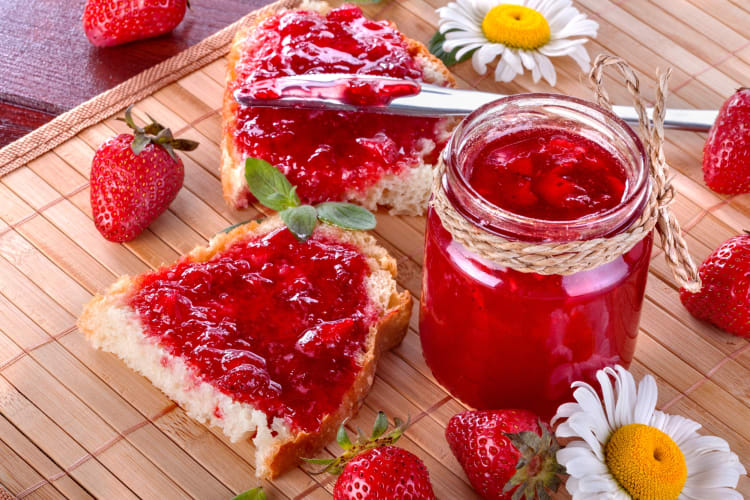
<point x="77" y="423"/>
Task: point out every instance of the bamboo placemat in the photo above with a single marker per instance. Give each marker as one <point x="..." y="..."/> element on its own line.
<point x="77" y="423"/>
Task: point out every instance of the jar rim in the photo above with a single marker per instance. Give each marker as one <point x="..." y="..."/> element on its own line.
<point x="505" y="223"/>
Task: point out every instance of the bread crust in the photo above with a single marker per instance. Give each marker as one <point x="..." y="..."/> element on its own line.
<point x="232" y="180"/>
<point x="387" y="333"/>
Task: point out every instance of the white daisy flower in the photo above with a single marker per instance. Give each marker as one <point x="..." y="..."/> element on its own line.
<point x="523" y="33"/>
<point x="627" y="449"/>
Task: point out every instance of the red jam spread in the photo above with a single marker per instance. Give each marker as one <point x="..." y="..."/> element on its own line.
<point x="499" y="338"/>
<point x="372" y="91"/>
<point x="269" y="321"/>
<point x="328" y="153"/>
<point x="547" y="174"/>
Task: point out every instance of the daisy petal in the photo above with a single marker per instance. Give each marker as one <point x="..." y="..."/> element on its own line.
<point x="679" y="428"/>
<point x="582" y="463"/>
<point x="456" y="29"/>
<point x="718" y="477"/>
<point x="485" y="55"/>
<point x="527" y="59"/>
<point x="592" y="407"/>
<point x="536" y="75"/>
<point x="626" y="392"/>
<point x="582" y="57"/>
<point x="710" y="462"/>
<point x="598" y="483"/>
<point x="559" y="48"/>
<point x="578" y="25"/>
<point x="710" y="494"/>
<point x="646" y="400"/>
<point x="608" y="399"/>
<point x="558" y="19"/>
<point x="509" y="66"/>
<point x="583" y="426"/>
<point x="546" y="68"/>
<point x="451" y="45"/>
<point x="564" y="411"/>
<point x="704" y="444"/>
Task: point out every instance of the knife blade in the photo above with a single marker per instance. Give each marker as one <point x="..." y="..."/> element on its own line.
<point x="329" y="91"/>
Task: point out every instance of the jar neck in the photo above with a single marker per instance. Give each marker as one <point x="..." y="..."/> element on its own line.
<point x="520" y="113"/>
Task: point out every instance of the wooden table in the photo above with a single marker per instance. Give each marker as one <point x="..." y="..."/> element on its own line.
<point x="48" y="66"/>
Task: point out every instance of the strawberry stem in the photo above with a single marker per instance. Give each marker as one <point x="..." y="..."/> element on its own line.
<point x="377" y="439"/>
<point x="537" y="469"/>
<point x="155" y="133"/>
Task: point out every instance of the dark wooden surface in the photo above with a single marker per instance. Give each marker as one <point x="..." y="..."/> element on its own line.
<point x="48" y="66"/>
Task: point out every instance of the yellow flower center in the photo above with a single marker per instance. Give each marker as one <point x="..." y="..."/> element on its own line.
<point x="516" y="26"/>
<point x="646" y="462"/>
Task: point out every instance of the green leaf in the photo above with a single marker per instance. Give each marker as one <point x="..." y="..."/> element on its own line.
<point x="346" y="215"/>
<point x="294" y="197"/>
<point x="269" y="185"/>
<point x="380" y="426"/>
<point x="300" y="220"/>
<point x="254" y="494"/>
<point x="435" y="46"/>
<point x="342" y="438"/>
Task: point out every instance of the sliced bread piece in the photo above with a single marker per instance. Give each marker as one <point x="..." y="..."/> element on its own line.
<point x="259" y="334"/>
<point x="380" y="161"/>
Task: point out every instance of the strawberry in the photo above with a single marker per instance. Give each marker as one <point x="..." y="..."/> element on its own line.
<point x="506" y="454"/>
<point x="726" y="155"/>
<point x="373" y="469"/>
<point x="134" y="178"/>
<point x="383" y="473"/>
<point x="113" y="22"/>
<point x="724" y="299"/>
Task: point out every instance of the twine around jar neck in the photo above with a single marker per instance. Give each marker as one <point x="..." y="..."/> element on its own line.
<point x="571" y="257"/>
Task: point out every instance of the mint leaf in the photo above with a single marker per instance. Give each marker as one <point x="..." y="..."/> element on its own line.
<point x="435" y="46"/>
<point x="346" y="215"/>
<point x="254" y="494"/>
<point x="300" y="220"/>
<point x="269" y="185"/>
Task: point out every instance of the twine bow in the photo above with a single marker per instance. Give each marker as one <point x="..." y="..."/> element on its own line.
<point x="576" y="256"/>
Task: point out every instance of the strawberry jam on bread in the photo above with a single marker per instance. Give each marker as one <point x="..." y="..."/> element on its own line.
<point x="260" y="334"/>
<point x="370" y="159"/>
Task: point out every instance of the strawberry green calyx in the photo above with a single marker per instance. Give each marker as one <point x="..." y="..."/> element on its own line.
<point x="537" y="470"/>
<point x="363" y="443"/>
<point x="254" y="494"/>
<point x="155" y="133"/>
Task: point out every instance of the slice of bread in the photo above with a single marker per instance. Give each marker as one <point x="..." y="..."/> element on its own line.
<point x="406" y="192"/>
<point x="112" y="324"/>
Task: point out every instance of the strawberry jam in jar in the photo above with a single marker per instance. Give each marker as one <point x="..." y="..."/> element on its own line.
<point x="536" y="168"/>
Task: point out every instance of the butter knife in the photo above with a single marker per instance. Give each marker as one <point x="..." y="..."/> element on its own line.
<point x="323" y="91"/>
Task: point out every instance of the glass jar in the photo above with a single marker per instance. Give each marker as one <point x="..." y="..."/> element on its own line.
<point x="499" y="338"/>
